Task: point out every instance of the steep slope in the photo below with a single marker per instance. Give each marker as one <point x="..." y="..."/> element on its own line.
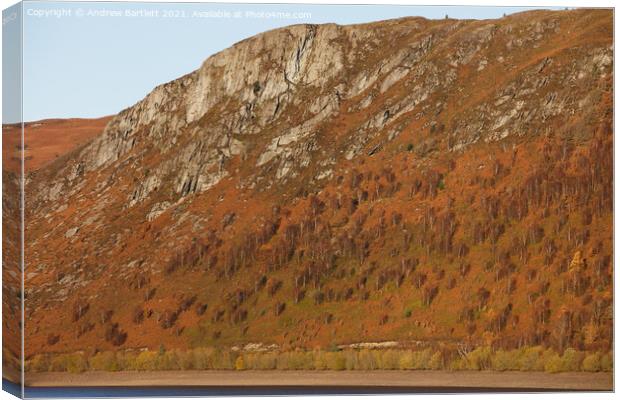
<point x="46" y="140"/>
<point x="406" y="180"/>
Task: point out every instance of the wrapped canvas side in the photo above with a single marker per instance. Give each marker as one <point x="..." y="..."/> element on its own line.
<point x="13" y="150"/>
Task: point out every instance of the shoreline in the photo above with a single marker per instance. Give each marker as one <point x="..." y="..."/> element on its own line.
<point x="599" y="381"/>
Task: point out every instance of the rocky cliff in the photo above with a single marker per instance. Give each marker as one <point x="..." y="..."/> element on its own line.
<point x="322" y="184"/>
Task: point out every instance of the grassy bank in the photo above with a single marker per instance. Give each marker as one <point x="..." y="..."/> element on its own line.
<point x="483" y="358"/>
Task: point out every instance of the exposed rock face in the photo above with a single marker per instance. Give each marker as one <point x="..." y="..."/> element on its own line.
<point x="288" y="113"/>
<point x="290" y="81"/>
<point x="254" y="86"/>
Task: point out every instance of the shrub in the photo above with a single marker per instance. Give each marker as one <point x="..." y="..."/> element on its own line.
<point x="168" y="319"/>
<point x="202" y="358"/>
<point x="39" y="363"/>
<point x="607" y="361"/>
<point x="104" y="361"/>
<point x="422" y="359"/>
<point x="73" y="363"/>
<point x="268" y="361"/>
<point x="366" y="360"/>
<point x="531" y="359"/>
<point x="146" y="361"/>
<point x="57" y="364"/>
<point x="76" y="363"/>
<point x="260" y="361"/>
<point x="239" y="363"/>
<point x="320" y="360"/>
<point x="296" y="360"/>
<point x="115" y="335"/>
<point x="592" y="363"/>
<point x="138" y="315"/>
<point x="389" y="359"/>
<point x="436" y="361"/>
<point x="479" y="359"/>
<point x="406" y="360"/>
<point x="336" y="361"/>
<point x="571" y="360"/>
<point x="279" y="308"/>
<point x="126" y="360"/>
<point x="351" y="360"/>
<point x="201" y="308"/>
<point x="185" y="359"/>
<point x="52" y="339"/>
<point x="223" y="359"/>
<point x="504" y="360"/>
<point x="80" y="307"/>
<point x="554" y="364"/>
<point x="459" y="364"/>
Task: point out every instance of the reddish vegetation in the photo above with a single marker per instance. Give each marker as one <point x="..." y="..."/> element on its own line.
<point x="47" y="140"/>
<point x="506" y="243"/>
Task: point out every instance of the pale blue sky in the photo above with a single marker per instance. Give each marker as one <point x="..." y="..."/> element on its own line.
<point x="76" y="65"/>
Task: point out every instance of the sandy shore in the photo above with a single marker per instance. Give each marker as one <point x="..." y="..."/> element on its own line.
<point x="461" y="379"/>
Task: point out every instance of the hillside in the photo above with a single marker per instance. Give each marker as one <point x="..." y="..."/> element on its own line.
<point x="416" y="181"/>
<point x="46" y="140"/>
